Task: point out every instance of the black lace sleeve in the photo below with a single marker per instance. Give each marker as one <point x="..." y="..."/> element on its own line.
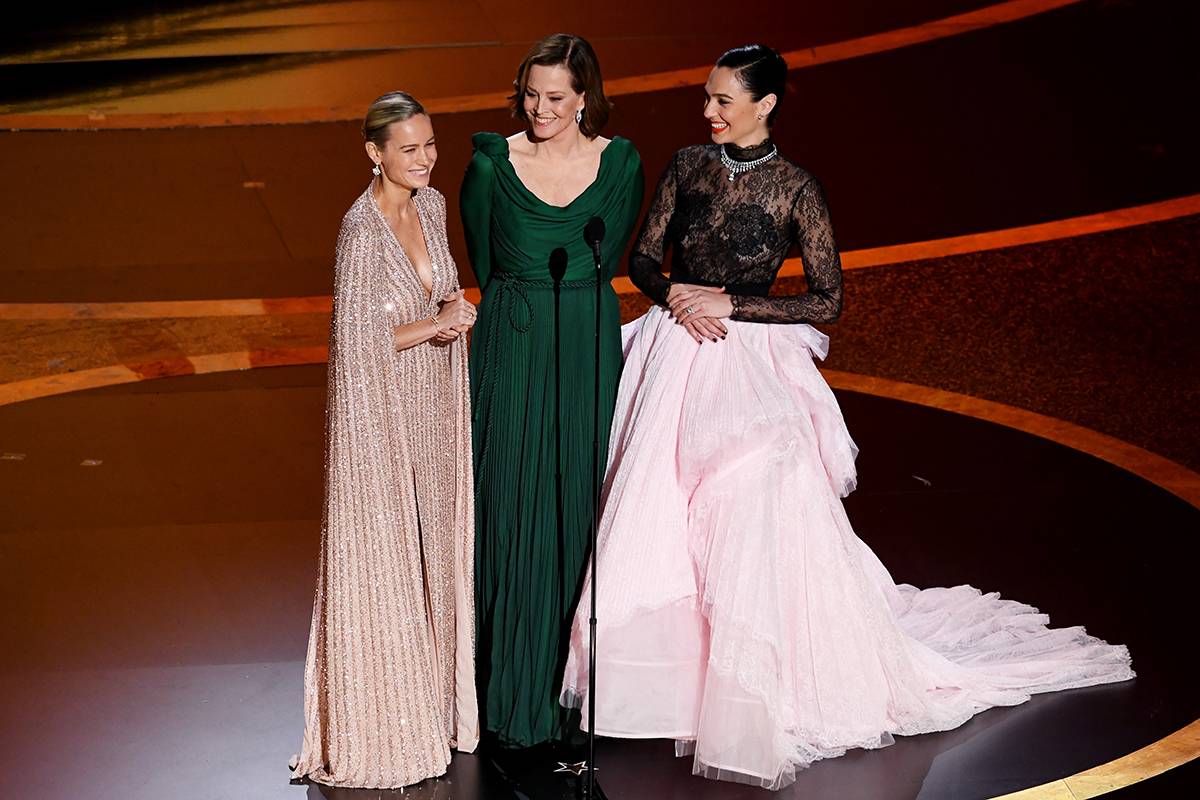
<point x="813" y="232"/>
<point x="649" y="253"/>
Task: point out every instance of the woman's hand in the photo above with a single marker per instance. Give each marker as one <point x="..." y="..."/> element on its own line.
<point x="701" y="328"/>
<point x="414" y="333"/>
<point x="455" y="316"/>
<point x="700" y="309"/>
<point x="444" y="335"/>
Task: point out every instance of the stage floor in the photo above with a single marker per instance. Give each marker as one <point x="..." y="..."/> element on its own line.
<point x="159" y="538"/>
<point x="157" y="602"/>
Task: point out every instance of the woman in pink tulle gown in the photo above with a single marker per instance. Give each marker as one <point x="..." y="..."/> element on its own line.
<point x="739" y="613"/>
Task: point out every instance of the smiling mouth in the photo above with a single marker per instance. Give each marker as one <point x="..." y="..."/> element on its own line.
<point x="718" y="126"/>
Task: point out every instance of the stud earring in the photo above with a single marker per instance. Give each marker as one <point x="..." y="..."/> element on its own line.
<point x="579" y="116"/>
<point x="376" y="170"/>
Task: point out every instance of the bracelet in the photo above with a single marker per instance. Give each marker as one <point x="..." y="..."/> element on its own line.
<point x="436" y="327"/>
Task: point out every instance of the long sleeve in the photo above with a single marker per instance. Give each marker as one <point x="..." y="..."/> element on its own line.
<point x="356" y="327"/>
<point x="475" y="206"/>
<point x="627" y="216"/>
<point x="649" y="253"/>
<point x="822" y="269"/>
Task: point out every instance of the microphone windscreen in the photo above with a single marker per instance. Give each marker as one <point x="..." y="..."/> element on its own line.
<point x="558" y="263"/>
<point x="593" y="232"/>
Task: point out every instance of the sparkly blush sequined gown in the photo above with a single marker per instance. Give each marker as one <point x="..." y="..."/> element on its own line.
<point x="739" y="613"/>
<point x="389" y="684"/>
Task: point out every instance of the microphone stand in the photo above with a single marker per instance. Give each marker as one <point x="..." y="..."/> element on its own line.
<point x="594" y="234"/>
<point x="558" y="269"/>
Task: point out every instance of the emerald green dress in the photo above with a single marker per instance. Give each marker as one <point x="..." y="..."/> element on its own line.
<point x="527" y="576"/>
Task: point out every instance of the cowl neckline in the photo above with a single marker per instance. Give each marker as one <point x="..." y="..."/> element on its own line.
<point x="496" y="147"/>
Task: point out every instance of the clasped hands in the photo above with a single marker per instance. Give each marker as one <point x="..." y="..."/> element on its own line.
<point x="455" y="316"/>
<point x="700" y="309"/>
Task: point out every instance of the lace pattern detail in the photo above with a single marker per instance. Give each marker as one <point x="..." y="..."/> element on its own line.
<point x="738" y="233"/>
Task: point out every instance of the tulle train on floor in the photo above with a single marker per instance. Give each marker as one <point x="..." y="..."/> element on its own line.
<point x="739" y="613"/>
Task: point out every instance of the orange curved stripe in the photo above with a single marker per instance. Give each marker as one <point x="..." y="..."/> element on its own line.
<point x="1154" y="759"/>
<point x="851" y="259"/>
<point x="986" y="17"/>
<point x="1174" y="477"/>
<point x="64" y="382"/>
<point x="1169" y="752"/>
<point x="97" y="377"/>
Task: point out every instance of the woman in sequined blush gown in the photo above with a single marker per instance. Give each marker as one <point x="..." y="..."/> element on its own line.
<point x="389" y="683"/>
<point x="739" y="614"/>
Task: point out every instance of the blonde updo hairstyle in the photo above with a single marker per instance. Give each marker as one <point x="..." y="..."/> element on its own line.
<point x="389" y="108"/>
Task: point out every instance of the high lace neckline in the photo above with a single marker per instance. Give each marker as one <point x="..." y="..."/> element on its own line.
<point x="749" y="153"/>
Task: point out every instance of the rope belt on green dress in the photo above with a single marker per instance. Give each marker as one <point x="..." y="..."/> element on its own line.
<point x="508" y="295"/>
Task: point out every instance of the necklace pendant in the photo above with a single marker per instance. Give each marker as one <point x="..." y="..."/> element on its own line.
<point x="731" y="176"/>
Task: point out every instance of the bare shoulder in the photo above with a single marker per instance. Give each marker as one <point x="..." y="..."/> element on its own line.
<point x="519" y="144"/>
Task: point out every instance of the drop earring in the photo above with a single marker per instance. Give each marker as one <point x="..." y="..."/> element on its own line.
<point x="376" y="170"/>
<point x="579" y="116"/>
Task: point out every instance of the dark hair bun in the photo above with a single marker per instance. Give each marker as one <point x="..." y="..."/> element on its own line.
<point x="760" y="70"/>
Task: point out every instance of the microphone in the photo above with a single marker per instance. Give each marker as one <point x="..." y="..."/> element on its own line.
<point x="558" y="264"/>
<point x="593" y="234"/>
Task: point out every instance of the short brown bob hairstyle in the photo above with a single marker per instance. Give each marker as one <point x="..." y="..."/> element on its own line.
<point x="574" y="53"/>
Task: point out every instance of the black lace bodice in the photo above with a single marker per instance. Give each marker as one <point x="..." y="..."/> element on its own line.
<point x="737" y="233"/>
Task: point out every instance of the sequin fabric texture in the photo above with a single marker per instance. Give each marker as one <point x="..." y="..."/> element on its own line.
<point x="389" y="684"/>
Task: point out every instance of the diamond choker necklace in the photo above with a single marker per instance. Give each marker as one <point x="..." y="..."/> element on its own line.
<point x="738" y="167"/>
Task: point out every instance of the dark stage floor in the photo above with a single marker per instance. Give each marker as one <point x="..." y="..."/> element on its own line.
<point x="159" y="538"/>
<point x="164" y="659"/>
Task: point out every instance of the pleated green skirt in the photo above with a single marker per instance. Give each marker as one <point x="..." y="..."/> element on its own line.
<point x="528" y="573"/>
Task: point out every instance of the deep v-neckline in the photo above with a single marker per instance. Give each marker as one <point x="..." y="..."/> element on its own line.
<point x="396" y="240"/>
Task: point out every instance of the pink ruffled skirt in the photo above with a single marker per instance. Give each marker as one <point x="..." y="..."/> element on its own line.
<point x="738" y="612"/>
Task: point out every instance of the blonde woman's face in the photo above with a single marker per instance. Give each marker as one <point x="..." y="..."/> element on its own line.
<point x="408" y="156"/>
<point x="550" y="102"/>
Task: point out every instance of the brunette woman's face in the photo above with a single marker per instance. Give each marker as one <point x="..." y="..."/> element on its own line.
<point x="408" y="155"/>
<point x="550" y="101"/>
<point x="733" y="115"/>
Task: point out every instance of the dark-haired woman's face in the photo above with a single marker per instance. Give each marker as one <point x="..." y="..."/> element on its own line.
<point x="551" y="103"/>
<point x="408" y="155"/>
<point x="733" y="115"/>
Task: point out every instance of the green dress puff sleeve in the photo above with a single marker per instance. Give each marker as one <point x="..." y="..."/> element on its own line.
<point x="475" y="206"/>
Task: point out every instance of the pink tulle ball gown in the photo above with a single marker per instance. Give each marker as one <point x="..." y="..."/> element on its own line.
<point x="739" y="614"/>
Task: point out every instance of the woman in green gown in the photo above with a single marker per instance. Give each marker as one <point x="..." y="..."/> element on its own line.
<point x="522" y="197"/>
